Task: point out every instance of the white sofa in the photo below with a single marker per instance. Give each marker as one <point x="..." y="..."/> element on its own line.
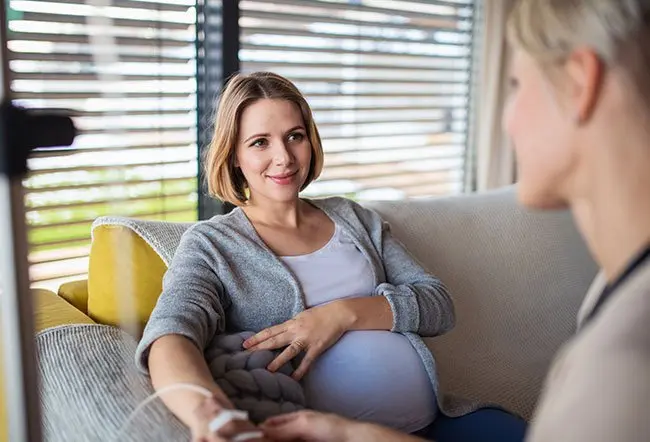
<point x="517" y="279"/>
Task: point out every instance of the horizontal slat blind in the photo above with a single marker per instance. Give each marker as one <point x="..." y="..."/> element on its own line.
<point x="136" y="154"/>
<point x="388" y="82"/>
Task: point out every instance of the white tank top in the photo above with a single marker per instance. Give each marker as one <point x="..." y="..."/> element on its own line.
<point x="374" y="376"/>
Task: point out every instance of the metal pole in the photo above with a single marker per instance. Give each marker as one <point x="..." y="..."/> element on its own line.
<point x="216" y="61"/>
<point x="20" y="374"/>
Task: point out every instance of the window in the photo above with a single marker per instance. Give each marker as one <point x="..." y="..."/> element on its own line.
<point x="127" y="70"/>
<point x="388" y="82"/>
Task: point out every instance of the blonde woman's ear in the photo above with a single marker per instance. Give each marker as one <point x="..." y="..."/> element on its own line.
<point x="585" y="70"/>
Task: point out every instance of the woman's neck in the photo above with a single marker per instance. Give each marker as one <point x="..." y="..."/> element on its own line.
<point x="272" y="213"/>
<point x="613" y="211"/>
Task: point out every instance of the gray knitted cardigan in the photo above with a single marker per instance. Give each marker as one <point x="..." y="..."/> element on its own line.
<point x="224" y="279"/>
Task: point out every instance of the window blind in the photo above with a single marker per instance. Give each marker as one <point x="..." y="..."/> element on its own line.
<point x="388" y="82"/>
<point x="126" y="69"/>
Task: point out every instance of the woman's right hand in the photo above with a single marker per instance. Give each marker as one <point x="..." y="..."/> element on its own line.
<point x="209" y="409"/>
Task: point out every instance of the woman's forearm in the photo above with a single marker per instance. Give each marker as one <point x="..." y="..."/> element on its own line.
<point x="367" y="313"/>
<point x="175" y="359"/>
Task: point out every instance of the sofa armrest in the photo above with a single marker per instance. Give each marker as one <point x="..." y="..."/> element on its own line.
<point x="50" y="310"/>
<point x="76" y="293"/>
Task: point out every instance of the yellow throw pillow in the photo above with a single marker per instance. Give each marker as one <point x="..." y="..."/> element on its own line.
<point x="124" y="278"/>
<point x="76" y="293"/>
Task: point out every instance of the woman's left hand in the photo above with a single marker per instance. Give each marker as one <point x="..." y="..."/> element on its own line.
<point x="312" y="331"/>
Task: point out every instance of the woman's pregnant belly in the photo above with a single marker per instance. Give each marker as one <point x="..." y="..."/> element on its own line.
<point x="374" y="376"/>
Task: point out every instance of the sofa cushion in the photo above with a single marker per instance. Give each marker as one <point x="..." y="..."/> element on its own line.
<point x="49" y="311"/>
<point x="125" y="273"/>
<point x="90" y="386"/>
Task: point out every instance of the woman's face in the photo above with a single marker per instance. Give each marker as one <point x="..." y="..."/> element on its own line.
<point x="273" y="151"/>
<point x="542" y="133"/>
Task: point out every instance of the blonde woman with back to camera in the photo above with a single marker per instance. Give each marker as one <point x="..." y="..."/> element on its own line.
<point x="579" y="119"/>
<point x="323" y="280"/>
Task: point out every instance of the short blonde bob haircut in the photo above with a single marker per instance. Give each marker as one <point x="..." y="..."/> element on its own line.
<point x="225" y="181"/>
<point x="618" y="31"/>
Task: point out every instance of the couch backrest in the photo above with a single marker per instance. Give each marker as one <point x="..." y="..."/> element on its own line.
<point x="517" y="279"/>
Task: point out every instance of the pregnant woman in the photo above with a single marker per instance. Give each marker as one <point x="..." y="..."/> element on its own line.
<point x="324" y="280"/>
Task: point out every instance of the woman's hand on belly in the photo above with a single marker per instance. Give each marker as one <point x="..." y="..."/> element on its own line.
<point x="312" y="332"/>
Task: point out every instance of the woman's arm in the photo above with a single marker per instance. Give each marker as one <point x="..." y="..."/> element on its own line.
<point x="174" y="359"/>
<point x="367" y="313"/>
<point x="188" y="314"/>
<point x="420" y="302"/>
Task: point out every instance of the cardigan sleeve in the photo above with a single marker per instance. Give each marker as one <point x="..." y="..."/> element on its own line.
<point x="191" y="303"/>
<point x="420" y="302"/>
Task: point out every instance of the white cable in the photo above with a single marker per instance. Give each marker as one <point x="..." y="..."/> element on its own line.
<point x="215" y="424"/>
<point x="243" y="437"/>
<point x="167" y="389"/>
<point x="225" y="417"/>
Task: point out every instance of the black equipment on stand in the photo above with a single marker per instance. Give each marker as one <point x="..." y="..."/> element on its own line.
<point x="21" y="131"/>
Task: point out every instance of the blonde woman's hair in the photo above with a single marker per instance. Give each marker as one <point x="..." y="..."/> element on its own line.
<point x="618" y="31"/>
<point x="225" y="181"/>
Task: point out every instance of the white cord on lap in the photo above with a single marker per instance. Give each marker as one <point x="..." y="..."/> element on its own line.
<point x="144" y="403"/>
<point x="215" y="424"/>
<point x="243" y="437"/>
<point x="224" y="417"/>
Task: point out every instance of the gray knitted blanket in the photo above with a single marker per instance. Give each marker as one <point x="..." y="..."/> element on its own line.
<point x="244" y="378"/>
<point x="90" y="386"/>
